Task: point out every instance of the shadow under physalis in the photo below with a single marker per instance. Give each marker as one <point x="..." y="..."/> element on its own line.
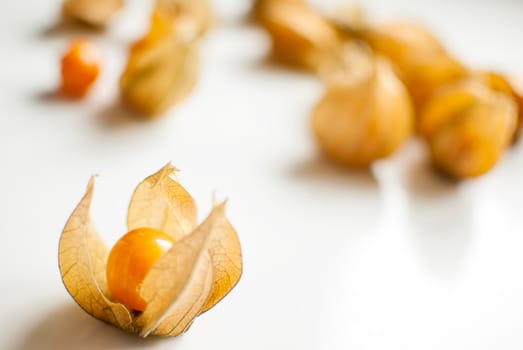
<point x="162" y="274"/>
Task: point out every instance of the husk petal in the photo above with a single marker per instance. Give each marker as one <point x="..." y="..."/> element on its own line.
<point x="160" y="202"/>
<point x="165" y="286"/>
<point x="82" y="257"/>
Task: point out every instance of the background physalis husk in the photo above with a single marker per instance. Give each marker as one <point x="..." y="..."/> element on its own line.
<point x="301" y="37"/>
<point x="201" y="267"/>
<point x="198" y="10"/>
<point x="468" y="126"/>
<point x="366" y="112"/>
<point x="423" y="63"/>
<point x="163" y="66"/>
<point x="509" y="86"/>
<point x="93" y="12"/>
<point x="420" y="60"/>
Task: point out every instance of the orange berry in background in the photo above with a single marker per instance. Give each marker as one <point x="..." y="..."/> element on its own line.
<point x="80" y="67"/>
<point x="130" y="260"/>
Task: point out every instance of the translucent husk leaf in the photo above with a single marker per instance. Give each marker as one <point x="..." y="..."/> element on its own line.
<point x="82" y="258"/>
<point x="226" y="258"/>
<point x="365" y="114"/>
<point x="468" y="127"/>
<point x="170" y="308"/>
<point x="423" y="63"/>
<point x="182" y="313"/>
<point x="300" y="36"/>
<point x="160" y="202"/>
<point x="93" y="12"/>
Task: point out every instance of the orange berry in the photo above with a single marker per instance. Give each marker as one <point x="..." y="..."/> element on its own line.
<point x="80" y="67"/>
<point x="129" y="262"/>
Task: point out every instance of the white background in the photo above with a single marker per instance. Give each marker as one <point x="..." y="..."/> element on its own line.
<point x="393" y="259"/>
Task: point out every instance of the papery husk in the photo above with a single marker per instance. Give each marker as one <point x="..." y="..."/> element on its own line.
<point x="199" y="11"/>
<point x="199" y="269"/>
<point x="511" y="87"/>
<point x="422" y="62"/>
<point x="163" y="66"/>
<point x="468" y="127"/>
<point x="96" y="13"/>
<point x="350" y="20"/>
<point x="176" y="215"/>
<point x="300" y="36"/>
<point x="82" y="257"/>
<point x="260" y="6"/>
<point x="161" y="202"/>
<point x="366" y="112"/>
<point x="192" y="260"/>
<point x="162" y="70"/>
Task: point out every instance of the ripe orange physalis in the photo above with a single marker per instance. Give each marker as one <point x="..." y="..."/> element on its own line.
<point x="130" y="260"/>
<point x="161" y="275"/>
<point x="80" y="67"/>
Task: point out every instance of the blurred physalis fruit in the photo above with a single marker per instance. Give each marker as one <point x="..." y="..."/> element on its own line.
<point x="366" y="113"/>
<point x="468" y="126"/>
<point x="300" y="36"/>
<point x="260" y="6"/>
<point x="164" y="272"/>
<point x="163" y="66"/>
<point x="199" y="11"/>
<point x="422" y="62"/>
<point x="92" y="12"/>
<point x="80" y="67"/>
<point x="511" y="87"/>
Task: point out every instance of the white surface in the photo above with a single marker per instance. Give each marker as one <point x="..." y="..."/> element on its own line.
<point x="333" y="260"/>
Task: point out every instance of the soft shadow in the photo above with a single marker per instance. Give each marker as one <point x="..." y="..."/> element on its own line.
<point x="424" y="181"/>
<point x="440" y="220"/>
<point x="66" y="27"/>
<point x="319" y="168"/>
<point x="68" y="327"/>
<point x="118" y="115"/>
<point x="269" y="63"/>
<point x="53" y="96"/>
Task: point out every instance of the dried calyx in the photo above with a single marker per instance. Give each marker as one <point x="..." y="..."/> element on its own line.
<point x="201" y="266"/>
<point x="422" y="61"/>
<point x="513" y="88"/>
<point x="366" y="112"/>
<point x="468" y="126"/>
<point x="300" y="36"/>
<point x="163" y="66"/>
<point x="199" y="11"/>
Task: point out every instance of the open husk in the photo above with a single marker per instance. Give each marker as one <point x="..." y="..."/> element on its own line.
<point x="200" y="268"/>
